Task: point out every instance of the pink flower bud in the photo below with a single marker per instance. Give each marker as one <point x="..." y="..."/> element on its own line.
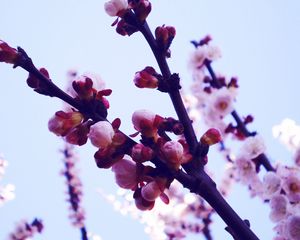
<point x="151" y="191"/>
<point x="165" y="35"/>
<point x="78" y="135"/>
<point x="61" y="123"/>
<point x="101" y="134"/>
<point x="142" y="203"/>
<point x="141" y="153"/>
<point x="115" y="7"/>
<point x="125" y="173"/>
<point x="173" y="153"/>
<point x="146" y="78"/>
<point x="83" y="87"/>
<point x="211" y="136"/>
<point x="7" y="53"/>
<point x="144" y="122"/>
<point x="142" y="9"/>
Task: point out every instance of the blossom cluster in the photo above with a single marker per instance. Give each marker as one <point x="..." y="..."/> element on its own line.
<point x="25" y="230"/>
<point x="279" y="187"/>
<point x="213" y="101"/>
<point x="6" y="191"/>
<point x="73" y="182"/>
<point x="72" y="124"/>
<point x="181" y="217"/>
<point x="130" y="163"/>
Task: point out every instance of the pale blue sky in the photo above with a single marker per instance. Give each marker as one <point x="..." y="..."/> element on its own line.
<point x="260" y="45"/>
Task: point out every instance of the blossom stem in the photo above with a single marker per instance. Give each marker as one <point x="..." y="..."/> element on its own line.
<point x="83" y="233"/>
<point x="176" y="99"/>
<point x="201" y="183"/>
<point x="206" y="230"/>
<point x="262" y="159"/>
<point x="25" y="62"/>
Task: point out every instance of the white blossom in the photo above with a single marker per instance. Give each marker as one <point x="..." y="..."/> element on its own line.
<point x="253" y="146"/>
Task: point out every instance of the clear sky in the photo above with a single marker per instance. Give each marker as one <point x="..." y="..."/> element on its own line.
<point x="260" y="45"/>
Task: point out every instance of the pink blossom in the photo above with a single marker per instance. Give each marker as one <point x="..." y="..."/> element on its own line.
<point x="221" y="101"/>
<point x="271" y="184"/>
<point x="25" y="230"/>
<point x="197" y="58"/>
<point x="293" y="227"/>
<point x="297" y="157"/>
<point x="253" y="146"/>
<point x="125" y="173"/>
<point x="213" y="52"/>
<point x="279" y="207"/>
<point x="291" y="186"/>
<point x="115" y="7"/>
<point x="245" y="169"/>
<point x="101" y="134"/>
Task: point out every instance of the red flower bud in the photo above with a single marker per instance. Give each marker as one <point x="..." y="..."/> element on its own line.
<point x="212" y="136"/>
<point x="62" y="123"/>
<point x="7" y="53"/>
<point x="151" y="191"/>
<point x="141" y="153"/>
<point x="147" y="78"/>
<point x="164" y="36"/>
<point x="142" y="203"/>
<point x="142" y="9"/>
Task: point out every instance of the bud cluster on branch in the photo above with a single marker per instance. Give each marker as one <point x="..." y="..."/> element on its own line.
<point x="165" y="151"/>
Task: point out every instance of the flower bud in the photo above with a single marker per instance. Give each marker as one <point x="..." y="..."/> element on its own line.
<point x="141" y="153"/>
<point x="146" y="78"/>
<point x="143" y="121"/>
<point x="165" y="35"/>
<point x="115" y="7"/>
<point x="101" y="134"/>
<point x="83" y="87"/>
<point x="142" y="203"/>
<point x="125" y="173"/>
<point x="142" y="9"/>
<point x="173" y="153"/>
<point x="7" y="53"/>
<point x="211" y="136"/>
<point x="151" y="191"/>
<point x="78" y="135"/>
<point x="61" y="123"/>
